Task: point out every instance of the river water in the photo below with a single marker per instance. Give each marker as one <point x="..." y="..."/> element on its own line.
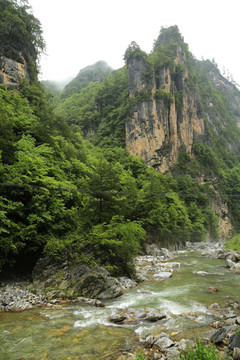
<point x="84" y="333"/>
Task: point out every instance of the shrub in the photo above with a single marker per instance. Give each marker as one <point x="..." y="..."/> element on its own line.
<point x="201" y="352"/>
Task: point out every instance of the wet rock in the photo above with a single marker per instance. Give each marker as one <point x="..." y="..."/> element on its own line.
<point x="163" y="275"/>
<point x="229" y="263"/>
<point x="166" y="253"/>
<point x="132" y="315"/>
<point x="218" y="336"/>
<point x="172" y="265"/>
<point x="154" y="316"/>
<point x="92" y="302"/>
<point x="117" y="318"/>
<point x="202" y="273"/>
<point x="212" y="289"/>
<point x="126" y="282"/>
<point x="214" y="306"/>
<point x="236" y="268"/>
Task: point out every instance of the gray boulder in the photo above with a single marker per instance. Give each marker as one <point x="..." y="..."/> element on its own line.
<point x="163" y="275"/>
<point x="58" y="279"/>
<point x="218" y="336"/>
<point x="234" y="341"/>
<point x="164" y="343"/>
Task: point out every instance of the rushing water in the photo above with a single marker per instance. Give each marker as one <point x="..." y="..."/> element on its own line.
<point x="84" y="332"/>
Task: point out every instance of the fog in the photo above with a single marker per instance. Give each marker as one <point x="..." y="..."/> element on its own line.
<point x="79" y="32"/>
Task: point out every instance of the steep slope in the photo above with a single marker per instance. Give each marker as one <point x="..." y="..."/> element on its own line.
<point x="174" y="101"/>
<point x="92" y="73"/>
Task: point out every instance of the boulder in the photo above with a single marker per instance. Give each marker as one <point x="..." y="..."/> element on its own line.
<point x="164" y="343"/>
<point x="133" y="315"/>
<point x="234" y="341"/>
<point x="126" y="282"/>
<point x="218" y="336"/>
<point x="202" y="273"/>
<point x="163" y="275"/>
<point x="229" y="263"/>
<point x="236" y="268"/>
<point x="58" y="279"/>
<point x="173" y="354"/>
<point x="117" y="318"/>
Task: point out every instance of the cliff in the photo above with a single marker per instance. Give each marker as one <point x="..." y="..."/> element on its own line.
<point x="179" y="105"/>
<point x="12" y="71"/>
<point x="165" y="115"/>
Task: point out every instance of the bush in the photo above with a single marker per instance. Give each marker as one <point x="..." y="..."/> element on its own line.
<point x="233" y="243"/>
<point x="201" y="352"/>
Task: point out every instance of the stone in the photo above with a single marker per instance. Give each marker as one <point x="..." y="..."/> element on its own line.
<point x="117" y="318"/>
<point x="185" y="344"/>
<point x="218" y="336"/>
<point x="150" y="341"/>
<point x="172" y="264"/>
<point x="173" y="354"/>
<point x="202" y="273"/>
<point x="236" y="268"/>
<point x="234" y="341"/>
<point x="154" y="316"/>
<point x="126" y="282"/>
<point x="229" y="263"/>
<point x="164" y="343"/>
<point x="163" y="275"/>
<point x="236" y="353"/>
<point x="212" y="289"/>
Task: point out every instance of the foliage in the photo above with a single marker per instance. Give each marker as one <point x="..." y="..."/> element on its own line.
<point x="201" y="352"/>
<point x="100" y="109"/>
<point x="134" y="52"/>
<point x="140" y="356"/>
<point x="92" y="73"/>
<point x="117" y="244"/>
<point x="233" y="243"/>
<point x="70" y="190"/>
<point x="166" y="96"/>
<point x="20" y="33"/>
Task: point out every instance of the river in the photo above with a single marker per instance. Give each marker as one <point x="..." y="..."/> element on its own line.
<point x="85" y="333"/>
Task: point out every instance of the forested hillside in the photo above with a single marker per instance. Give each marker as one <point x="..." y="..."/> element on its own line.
<point x="70" y="189"/>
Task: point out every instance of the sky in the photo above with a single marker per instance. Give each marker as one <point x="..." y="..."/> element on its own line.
<point x="79" y="33"/>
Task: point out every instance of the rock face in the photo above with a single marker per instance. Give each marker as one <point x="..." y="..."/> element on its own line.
<point x="59" y="280"/>
<point x="165" y="116"/>
<point x="11" y="72"/>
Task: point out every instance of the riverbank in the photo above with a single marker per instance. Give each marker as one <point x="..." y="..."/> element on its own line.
<point x="180" y="297"/>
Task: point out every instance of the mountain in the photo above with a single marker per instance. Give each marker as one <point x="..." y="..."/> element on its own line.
<point x="176" y="113"/>
<point x="149" y="152"/>
<point x="176" y="100"/>
<point x="91" y="73"/>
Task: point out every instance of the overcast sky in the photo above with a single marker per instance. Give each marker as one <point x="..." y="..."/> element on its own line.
<point x="78" y="33"/>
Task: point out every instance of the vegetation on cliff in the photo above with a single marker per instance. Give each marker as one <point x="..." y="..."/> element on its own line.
<point x="70" y="190"/>
<point x="20" y="33"/>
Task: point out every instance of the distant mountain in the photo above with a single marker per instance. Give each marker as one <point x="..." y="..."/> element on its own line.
<point x="92" y="73"/>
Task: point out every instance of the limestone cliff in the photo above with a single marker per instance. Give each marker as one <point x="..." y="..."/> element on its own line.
<point x="12" y="71"/>
<point x="165" y="115"/>
<point x="181" y="105"/>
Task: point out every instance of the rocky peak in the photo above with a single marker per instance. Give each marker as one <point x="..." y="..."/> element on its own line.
<point x="165" y="115"/>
